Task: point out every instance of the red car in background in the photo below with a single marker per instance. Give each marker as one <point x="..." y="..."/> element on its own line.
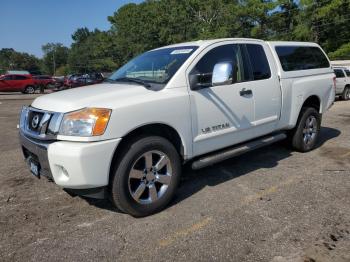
<point x="46" y="81"/>
<point x="17" y="83"/>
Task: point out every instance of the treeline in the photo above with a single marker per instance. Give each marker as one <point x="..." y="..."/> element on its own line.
<point x="139" y="27"/>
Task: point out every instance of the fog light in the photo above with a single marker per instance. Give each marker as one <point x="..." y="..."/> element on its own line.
<point x="62" y="172"/>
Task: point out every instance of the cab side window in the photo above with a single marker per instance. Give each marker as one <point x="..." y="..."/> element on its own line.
<point x="295" y="58"/>
<point x="339" y="73"/>
<point x="201" y="74"/>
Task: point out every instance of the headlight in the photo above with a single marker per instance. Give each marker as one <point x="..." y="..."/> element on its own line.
<point x="85" y="122"/>
<point x="24" y="112"/>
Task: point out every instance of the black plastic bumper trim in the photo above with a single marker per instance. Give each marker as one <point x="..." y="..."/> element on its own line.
<point x="97" y="192"/>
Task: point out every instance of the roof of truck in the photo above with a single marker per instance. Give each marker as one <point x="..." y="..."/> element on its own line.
<point x="291" y="43"/>
<point x="210" y="41"/>
<point x="200" y="43"/>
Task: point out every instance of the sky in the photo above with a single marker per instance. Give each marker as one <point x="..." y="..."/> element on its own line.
<point x="25" y="25"/>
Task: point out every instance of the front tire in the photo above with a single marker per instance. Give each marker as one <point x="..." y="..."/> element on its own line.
<point x="346" y="93"/>
<point x="305" y="135"/>
<point x="146" y="176"/>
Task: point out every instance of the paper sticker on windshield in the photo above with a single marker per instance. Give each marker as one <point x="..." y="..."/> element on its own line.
<point x="181" y="51"/>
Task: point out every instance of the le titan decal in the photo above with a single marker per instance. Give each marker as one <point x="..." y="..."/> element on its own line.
<point x="216" y="128"/>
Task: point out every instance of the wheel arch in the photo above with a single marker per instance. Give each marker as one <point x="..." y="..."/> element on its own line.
<point x="312" y="101"/>
<point x="153" y="129"/>
<point x="159" y="129"/>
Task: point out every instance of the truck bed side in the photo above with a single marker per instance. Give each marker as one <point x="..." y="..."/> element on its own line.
<point x="298" y="86"/>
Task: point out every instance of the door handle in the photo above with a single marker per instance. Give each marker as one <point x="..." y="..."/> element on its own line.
<point x="245" y="92"/>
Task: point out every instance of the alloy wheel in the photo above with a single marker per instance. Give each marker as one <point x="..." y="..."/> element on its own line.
<point x="30" y="90"/>
<point x="150" y="176"/>
<point x="310" y="130"/>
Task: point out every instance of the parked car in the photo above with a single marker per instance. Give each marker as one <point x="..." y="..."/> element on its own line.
<point x="198" y="103"/>
<point x="79" y="81"/>
<point x="17" y="83"/>
<point x="342" y="82"/>
<point x="83" y="80"/>
<point x="45" y="80"/>
<point x="68" y="80"/>
<point x="59" y="81"/>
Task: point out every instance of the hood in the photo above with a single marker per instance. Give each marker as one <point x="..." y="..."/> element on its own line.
<point x="106" y="95"/>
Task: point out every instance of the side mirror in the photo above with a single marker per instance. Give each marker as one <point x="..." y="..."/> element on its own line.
<point x="200" y="81"/>
<point x="222" y="74"/>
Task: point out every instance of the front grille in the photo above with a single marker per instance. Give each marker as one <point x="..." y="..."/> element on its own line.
<point x="40" y="124"/>
<point x="34" y="120"/>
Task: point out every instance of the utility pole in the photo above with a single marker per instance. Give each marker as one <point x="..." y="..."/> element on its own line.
<point x="54" y="61"/>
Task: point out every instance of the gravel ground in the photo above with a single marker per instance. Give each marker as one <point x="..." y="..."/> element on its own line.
<point x="272" y="204"/>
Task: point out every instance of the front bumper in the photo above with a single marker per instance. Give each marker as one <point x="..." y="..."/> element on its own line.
<point x="38" y="150"/>
<point x="72" y="165"/>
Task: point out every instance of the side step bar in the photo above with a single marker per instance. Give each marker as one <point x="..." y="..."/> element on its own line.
<point x="237" y="150"/>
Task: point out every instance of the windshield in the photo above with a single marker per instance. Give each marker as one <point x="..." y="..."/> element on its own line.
<point x="156" y="66"/>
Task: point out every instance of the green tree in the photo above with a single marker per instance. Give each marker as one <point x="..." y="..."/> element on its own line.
<point x="92" y="52"/>
<point x="285" y="20"/>
<point x="55" y="56"/>
<point x="256" y="14"/>
<point x="325" y="22"/>
<point x="12" y="60"/>
<point x="136" y="28"/>
<point x="343" y="52"/>
<point x="140" y="27"/>
<point x="81" y="34"/>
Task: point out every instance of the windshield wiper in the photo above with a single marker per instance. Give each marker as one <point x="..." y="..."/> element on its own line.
<point x="109" y="80"/>
<point x="134" y="80"/>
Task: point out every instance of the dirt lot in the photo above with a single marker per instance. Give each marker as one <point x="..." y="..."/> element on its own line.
<point x="269" y="205"/>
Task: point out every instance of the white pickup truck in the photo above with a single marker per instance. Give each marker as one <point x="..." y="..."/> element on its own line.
<point x="342" y="83"/>
<point x="199" y="102"/>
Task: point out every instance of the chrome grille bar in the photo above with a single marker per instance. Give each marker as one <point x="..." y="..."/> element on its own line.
<point x="48" y="127"/>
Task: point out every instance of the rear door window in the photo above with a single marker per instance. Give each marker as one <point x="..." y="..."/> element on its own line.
<point x="19" y="77"/>
<point x="347" y="72"/>
<point x="295" y="58"/>
<point x="258" y="61"/>
<point x="339" y="73"/>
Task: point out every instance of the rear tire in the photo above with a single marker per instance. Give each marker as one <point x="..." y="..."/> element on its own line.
<point x="145" y="178"/>
<point x="29" y="90"/>
<point x="346" y="93"/>
<point x="305" y="135"/>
